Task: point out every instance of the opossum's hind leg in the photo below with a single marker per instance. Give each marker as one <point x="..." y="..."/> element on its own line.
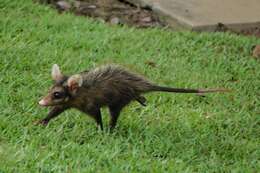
<point x="141" y="100"/>
<point x="114" y="113"/>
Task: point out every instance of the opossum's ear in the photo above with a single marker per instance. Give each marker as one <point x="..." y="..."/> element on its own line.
<point x="56" y="73"/>
<point x="74" y="82"/>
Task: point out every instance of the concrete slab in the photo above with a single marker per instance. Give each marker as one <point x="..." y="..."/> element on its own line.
<point x="206" y="14"/>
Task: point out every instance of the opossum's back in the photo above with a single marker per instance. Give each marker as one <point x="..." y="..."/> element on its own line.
<point x="115" y="77"/>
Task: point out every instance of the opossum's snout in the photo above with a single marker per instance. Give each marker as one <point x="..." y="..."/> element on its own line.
<point x="48" y="101"/>
<point x="57" y="95"/>
<point x="42" y="102"/>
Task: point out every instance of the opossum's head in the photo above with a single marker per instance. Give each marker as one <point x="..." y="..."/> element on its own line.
<point x="63" y="90"/>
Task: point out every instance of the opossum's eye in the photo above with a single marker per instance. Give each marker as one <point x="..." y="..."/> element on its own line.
<point x="58" y="95"/>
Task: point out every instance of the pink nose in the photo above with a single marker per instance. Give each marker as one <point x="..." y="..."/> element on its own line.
<point x="42" y="102"/>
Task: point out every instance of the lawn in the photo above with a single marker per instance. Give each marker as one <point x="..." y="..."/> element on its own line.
<point x="173" y="133"/>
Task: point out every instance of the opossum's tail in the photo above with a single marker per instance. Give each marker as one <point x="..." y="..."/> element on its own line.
<point x="183" y="90"/>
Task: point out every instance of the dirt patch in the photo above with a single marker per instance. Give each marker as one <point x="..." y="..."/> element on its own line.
<point x="118" y="12"/>
<point x="255" y="31"/>
<point x="251" y="32"/>
<point x="121" y="12"/>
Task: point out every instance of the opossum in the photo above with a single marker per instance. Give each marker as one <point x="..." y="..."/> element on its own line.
<point x="108" y="85"/>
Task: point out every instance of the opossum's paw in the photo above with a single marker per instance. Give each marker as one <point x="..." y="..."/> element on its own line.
<point x="41" y="122"/>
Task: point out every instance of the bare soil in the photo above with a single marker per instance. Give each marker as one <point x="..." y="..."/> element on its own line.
<point x="251" y="32"/>
<point x="118" y="12"/>
<point x="255" y="31"/>
<point x="121" y="12"/>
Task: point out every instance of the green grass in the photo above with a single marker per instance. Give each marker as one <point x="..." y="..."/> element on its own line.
<point x="174" y="133"/>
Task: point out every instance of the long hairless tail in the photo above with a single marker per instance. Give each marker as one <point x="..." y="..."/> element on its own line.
<point x="183" y="90"/>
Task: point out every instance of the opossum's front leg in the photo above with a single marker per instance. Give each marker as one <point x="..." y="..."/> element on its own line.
<point x="54" y="112"/>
